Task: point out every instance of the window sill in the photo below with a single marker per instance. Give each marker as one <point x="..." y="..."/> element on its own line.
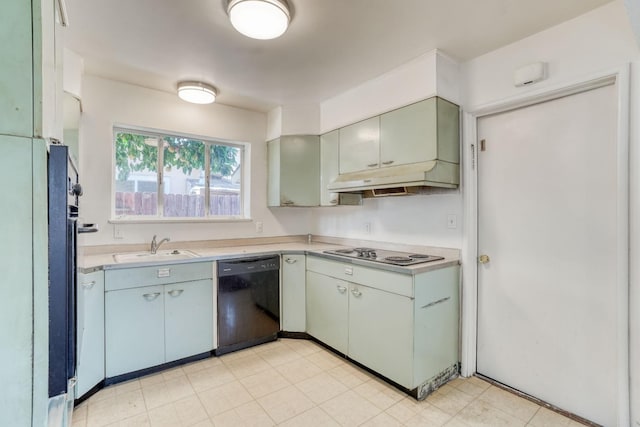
<point x="157" y="220"/>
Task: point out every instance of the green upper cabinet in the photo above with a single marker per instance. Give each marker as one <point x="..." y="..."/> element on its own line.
<point x="420" y="132"/>
<point x="16" y="73"/>
<point x="360" y="146"/>
<point x="404" y="134"/>
<point x="425" y="131"/>
<point x="31" y="72"/>
<point x="328" y="167"/>
<point x="294" y="171"/>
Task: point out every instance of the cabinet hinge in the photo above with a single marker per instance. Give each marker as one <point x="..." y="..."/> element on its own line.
<point x="473" y="156"/>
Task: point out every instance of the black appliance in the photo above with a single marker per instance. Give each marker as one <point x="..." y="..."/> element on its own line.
<point x="63" y="192"/>
<point x="384" y="257"/>
<point x="248" y="302"/>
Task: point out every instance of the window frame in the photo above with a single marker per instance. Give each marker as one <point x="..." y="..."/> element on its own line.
<point x="244" y="195"/>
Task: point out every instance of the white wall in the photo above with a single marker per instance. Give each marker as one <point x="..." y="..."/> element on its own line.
<point x="73" y="69"/>
<point x="414" y="81"/>
<point x="596" y="41"/>
<point x="301" y="119"/>
<point x="415" y="220"/>
<point x="107" y="102"/>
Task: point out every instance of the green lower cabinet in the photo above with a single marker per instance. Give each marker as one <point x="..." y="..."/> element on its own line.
<point x="90" y="331"/>
<point x="402" y="326"/>
<point x="152" y="325"/>
<point x="134" y="329"/>
<point x="328" y="310"/>
<point x="293" y="293"/>
<point x="188" y="319"/>
<point x="381" y="332"/>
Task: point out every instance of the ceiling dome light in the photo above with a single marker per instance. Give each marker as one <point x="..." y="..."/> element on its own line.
<point x="197" y="92"/>
<point x="259" y="19"/>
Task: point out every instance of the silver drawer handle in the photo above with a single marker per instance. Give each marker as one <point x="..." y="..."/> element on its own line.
<point x="355" y="292"/>
<point x="151" y="296"/>
<point x="175" y="292"/>
<point x="88" y="285"/>
<point x="290" y="260"/>
<point x="333" y="202"/>
<point x="287" y="202"/>
<point x="388" y="162"/>
<point x="341" y="289"/>
<point x="372" y="165"/>
<point x="431" y="304"/>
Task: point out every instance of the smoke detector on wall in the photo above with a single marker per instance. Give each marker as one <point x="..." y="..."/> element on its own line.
<point x="530" y="74"/>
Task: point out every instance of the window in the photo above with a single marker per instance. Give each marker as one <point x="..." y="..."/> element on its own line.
<point x="168" y="176"/>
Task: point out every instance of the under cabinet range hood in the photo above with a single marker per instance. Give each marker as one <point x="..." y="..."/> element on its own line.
<point x="401" y="151"/>
<point x="434" y="173"/>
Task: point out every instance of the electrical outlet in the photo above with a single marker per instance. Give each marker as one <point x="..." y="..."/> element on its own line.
<point x="258" y="226"/>
<point x="117" y="232"/>
<point x="452" y="221"/>
<point x="367" y="228"/>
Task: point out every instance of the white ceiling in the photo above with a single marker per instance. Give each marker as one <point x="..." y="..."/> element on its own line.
<point x="331" y="45"/>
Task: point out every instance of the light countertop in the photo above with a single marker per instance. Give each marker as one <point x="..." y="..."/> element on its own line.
<point x="93" y="260"/>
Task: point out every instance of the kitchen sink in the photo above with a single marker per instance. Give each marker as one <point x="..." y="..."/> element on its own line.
<point x="168" y="255"/>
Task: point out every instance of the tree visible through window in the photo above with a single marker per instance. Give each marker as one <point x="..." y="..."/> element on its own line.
<point x="158" y="175"/>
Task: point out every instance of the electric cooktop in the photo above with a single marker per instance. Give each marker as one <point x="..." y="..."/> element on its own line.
<point x="384" y="256"/>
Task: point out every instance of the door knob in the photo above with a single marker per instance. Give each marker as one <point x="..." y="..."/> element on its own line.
<point x="483" y="259"/>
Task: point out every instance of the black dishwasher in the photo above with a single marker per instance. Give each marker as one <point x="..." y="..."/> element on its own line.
<point x="248" y="302"/>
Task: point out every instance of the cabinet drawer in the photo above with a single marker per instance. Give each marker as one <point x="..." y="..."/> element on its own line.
<point x="156" y="275"/>
<point x="401" y="284"/>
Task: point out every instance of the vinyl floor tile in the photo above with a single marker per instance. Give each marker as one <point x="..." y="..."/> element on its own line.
<point x="299" y="383"/>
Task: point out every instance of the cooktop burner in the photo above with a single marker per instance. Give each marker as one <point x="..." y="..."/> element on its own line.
<point x="384" y="256"/>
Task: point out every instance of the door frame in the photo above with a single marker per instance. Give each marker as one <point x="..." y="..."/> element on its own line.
<point x="620" y="76"/>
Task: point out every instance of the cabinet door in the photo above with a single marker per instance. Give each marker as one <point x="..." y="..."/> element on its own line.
<point x="90" y="330"/>
<point x="381" y="332"/>
<point x="188" y="319"/>
<point x="293" y="293"/>
<point x="409" y="134"/>
<point x="327" y="310"/>
<point x="134" y="329"/>
<point x="437" y="316"/>
<point x="360" y="146"/>
<point x="300" y="170"/>
<point x="329" y="168"/>
<point x="17" y="71"/>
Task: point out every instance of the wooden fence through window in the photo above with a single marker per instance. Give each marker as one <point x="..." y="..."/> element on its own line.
<point x="222" y="203"/>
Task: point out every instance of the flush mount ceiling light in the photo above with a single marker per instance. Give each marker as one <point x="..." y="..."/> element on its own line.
<point x="197" y="92"/>
<point x="259" y="19"/>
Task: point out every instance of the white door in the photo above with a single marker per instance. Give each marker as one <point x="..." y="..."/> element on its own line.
<point x="547" y="220"/>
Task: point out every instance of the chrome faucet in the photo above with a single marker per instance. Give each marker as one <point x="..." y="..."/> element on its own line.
<point x="155" y="245"/>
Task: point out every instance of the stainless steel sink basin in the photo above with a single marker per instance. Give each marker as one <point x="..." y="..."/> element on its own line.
<point x="168" y="255"/>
